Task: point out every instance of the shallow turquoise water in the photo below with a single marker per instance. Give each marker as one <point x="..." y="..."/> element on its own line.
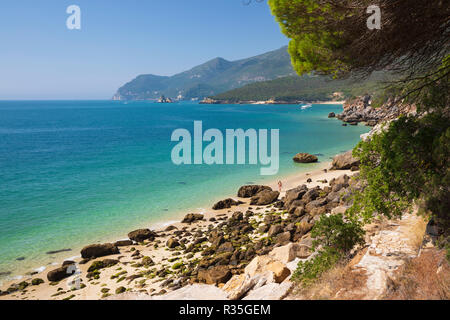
<point x="77" y="172"/>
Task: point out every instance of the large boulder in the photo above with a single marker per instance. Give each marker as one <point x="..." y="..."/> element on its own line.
<point x="214" y="275"/>
<point x="192" y="217"/>
<point x="294" y="194"/>
<point x="311" y="195"/>
<point x="141" y="235"/>
<point x="290" y="252"/>
<point x="264" y="197"/>
<point x="172" y="243"/>
<point x="271" y="291"/>
<point x="262" y="264"/>
<point x="238" y="286"/>
<point x="123" y="243"/>
<point x="345" y="161"/>
<point x="274" y="230"/>
<point x="60" y="273"/>
<point x="305" y="158"/>
<point x="280" y="271"/>
<point x="192" y="292"/>
<point x="251" y="190"/>
<point x="101" y="264"/>
<point x="258" y="265"/>
<point x="226" y="204"/>
<point x="283" y="238"/>
<point x="98" y="250"/>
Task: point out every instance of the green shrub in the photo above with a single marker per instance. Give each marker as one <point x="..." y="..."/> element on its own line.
<point x="308" y="271"/>
<point x="336" y="232"/>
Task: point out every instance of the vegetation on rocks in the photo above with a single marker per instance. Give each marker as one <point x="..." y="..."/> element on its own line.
<point x="334" y="237"/>
<point x="407" y="163"/>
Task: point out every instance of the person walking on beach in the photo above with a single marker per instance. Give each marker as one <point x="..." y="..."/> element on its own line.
<point x="280" y="185"/>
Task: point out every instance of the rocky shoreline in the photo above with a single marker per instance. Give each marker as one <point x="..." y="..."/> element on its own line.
<point x="247" y="246"/>
<point x="215" y="101"/>
<point x="213" y="249"/>
<point x="361" y="110"/>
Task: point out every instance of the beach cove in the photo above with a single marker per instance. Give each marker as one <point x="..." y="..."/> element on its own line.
<point x="128" y="207"/>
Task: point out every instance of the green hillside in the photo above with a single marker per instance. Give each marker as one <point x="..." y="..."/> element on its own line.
<point x="306" y="88"/>
<point x="210" y="78"/>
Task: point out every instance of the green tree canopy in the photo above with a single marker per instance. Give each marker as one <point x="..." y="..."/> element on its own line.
<point x="409" y="162"/>
<point x="331" y="36"/>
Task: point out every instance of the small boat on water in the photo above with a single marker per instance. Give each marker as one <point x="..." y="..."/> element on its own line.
<point x="306" y="106"/>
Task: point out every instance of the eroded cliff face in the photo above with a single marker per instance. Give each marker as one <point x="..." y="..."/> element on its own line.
<point x="361" y="109"/>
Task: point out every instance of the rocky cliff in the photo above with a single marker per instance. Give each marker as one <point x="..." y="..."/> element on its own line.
<point x="361" y="109"/>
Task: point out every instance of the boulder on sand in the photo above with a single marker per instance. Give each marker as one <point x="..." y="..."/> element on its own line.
<point x="99" y="250"/>
<point x="305" y="158"/>
<point x="123" y="243"/>
<point x="60" y="273"/>
<point x="294" y="194"/>
<point x="191" y="217"/>
<point x="97" y="265"/>
<point x="172" y="243"/>
<point x="141" y="235"/>
<point x="344" y="161"/>
<point x="214" y="275"/>
<point x="289" y="252"/>
<point x="264" y="197"/>
<point x="239" y="285"/>
<point x="226" y="204"/>
<point x="251" y="190"/>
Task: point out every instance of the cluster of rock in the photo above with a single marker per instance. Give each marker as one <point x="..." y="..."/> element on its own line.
<point x="231" y="251"/>
<point x="244" y="252"/>
<point x="361" y="110"/>
<point x="259" y="195"/>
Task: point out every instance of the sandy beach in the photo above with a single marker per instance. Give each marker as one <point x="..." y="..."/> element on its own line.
<point x="117" y="277"/>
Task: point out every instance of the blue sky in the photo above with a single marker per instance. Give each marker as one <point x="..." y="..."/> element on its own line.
<point x="41" y="59"/>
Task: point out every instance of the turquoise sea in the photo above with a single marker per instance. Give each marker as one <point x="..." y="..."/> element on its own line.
<point x="79" y="172"/>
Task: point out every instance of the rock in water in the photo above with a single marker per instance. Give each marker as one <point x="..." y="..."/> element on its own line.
<point x="141" y="235"/>
<point x="344" y="161"/>
<point x="99" y="250"/>
<point x="305" y="158"/>
<point x="331" y="115"/>
<point x="251" y="190"/>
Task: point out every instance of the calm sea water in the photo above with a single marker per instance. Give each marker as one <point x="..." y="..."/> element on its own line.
<point x="78" y="172"/>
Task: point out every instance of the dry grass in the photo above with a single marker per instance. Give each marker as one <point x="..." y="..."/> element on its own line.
<point x="418" y="232"/>
<point x="339" y="283"/>
<point x="426" y="277"/>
